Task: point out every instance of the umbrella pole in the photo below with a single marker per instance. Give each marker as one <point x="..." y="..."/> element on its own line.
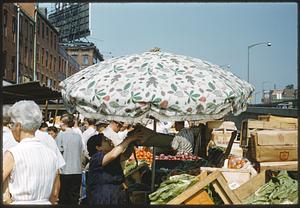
<point x="153" y="162"/>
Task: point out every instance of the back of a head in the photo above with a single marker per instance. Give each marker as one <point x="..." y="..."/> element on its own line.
<point x="43" y="125"/>
<point x="6" y="117"/>
<point x="91" y="121"/>
<point x="52" y="128"/>
<point x="94" y="141"/>
<point x="68" y="120"/>
<point x="27" y="113"/>
<point x="179" y="125"/>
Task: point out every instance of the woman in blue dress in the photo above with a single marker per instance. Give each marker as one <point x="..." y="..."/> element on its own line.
<point x="105" y="175"/>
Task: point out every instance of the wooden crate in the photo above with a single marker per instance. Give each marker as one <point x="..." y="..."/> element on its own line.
<point x="248" y="188"/>
<point x="194" y="193"/>
<point x="278" y="119"/>
<point x="272" y="146"/>
<point x="287" y="165"/>
<point x="239" y="176"/>
<point x="250" y="125"/>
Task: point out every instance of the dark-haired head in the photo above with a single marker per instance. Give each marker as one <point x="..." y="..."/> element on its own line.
<point x="98" y="143"/>
<point x="43" y="126"/>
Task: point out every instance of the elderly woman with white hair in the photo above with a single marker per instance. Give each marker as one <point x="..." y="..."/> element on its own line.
<point x="30" y="166"/>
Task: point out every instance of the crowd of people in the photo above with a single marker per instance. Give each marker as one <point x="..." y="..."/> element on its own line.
<point x="69" y="165"/>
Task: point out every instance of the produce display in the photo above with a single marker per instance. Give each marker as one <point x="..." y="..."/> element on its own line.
<point x="144" y="154"/>
<point x="130" y="165"/>
<point x="236" y="162"/>
<point x="188" y="167"/>
<point x="279" y="190"/>
<point x="215" y="155"/>
<point x="184" y="156"/>
<point x="171" y="188"/>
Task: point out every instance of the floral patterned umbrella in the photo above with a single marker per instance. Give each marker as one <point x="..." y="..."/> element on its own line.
<point x="159" y="84"/>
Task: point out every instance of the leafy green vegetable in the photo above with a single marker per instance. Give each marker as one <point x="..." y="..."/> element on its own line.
<point x="279" y="190"/>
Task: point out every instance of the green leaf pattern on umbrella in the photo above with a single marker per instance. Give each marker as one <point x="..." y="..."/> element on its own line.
<point x="165" y="85"/>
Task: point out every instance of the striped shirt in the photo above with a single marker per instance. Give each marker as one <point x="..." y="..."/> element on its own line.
<point x="183" y="142"/>
<point x="70" y="144"/>
<point x="47" y="140"/>
<point x="31" y="180"/>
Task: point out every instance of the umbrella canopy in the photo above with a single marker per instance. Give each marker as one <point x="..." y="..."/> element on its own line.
<point x="158" y="84"/>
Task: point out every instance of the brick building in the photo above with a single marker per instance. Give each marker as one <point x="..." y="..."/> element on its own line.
<point x="85" y="53"/>
<point x="53" y="64"/>
<point x="10" y="39"/>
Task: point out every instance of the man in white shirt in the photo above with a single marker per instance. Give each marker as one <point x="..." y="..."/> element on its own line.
<point x="114" y="133"/>
<point x="47" y="140"/>
<point x="183" y="142"/>
<point x="70" y="144"/>
<point x="88" y="133"/>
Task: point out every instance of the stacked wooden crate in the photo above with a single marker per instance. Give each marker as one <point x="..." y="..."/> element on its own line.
<point x="271" y="139"/>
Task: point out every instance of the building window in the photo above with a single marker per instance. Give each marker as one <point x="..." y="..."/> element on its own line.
<point x="54" y="42"/>
<point x="30" y="58"/>
<point x="5" y="23"/>
<point x="31" y="32"/>
<point x="43" y="30"/>
<point x="50" y="67"/>
<point x="38" y="26"/>
<point x="37" y="53"/>
<point x="85" y="60"/>
<point x="74" y="56"/>
<point x="59" y="63"/>
<point x="14" y="28"/>
<point x="4" y="61"/>
<point x="13" y="64"/>
<point x="51" y="39"/>
<point x="47" y="33"/>
<point x="26" y="28"/>
<point x="47" y="56"/>
<point x="42" y="56"/>
<point x="21" y="25"/>
<point x="54" y="64"/>
<point x="26" y="56"/>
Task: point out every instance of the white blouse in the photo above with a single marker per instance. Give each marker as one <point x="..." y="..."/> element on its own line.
<point x="33" y="174"/>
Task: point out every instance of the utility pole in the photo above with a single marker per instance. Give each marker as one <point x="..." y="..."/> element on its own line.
<point x="18" y="43"/>
<point x="34" y="44"/>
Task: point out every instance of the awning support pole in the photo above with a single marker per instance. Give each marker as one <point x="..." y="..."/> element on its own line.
<point x="153" y="162"/>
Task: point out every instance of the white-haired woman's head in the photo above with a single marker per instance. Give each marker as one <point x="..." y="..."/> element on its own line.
<point x="27" y="113"/>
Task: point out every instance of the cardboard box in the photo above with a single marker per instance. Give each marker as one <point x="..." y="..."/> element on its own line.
<point x="274" y="145"/>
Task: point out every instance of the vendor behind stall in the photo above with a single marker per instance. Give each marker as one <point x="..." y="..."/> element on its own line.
<point x="183" y="141"/>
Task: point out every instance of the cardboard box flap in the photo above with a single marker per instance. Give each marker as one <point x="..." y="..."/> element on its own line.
<point x="276" y="137"/>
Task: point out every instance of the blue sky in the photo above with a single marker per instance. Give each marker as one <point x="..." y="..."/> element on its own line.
<point x="216" y="32"/>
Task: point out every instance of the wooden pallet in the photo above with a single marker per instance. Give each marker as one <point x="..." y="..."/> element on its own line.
<point x="191" y="195"/>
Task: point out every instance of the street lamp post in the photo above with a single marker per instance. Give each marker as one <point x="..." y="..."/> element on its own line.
<point x="251" y="46"/>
